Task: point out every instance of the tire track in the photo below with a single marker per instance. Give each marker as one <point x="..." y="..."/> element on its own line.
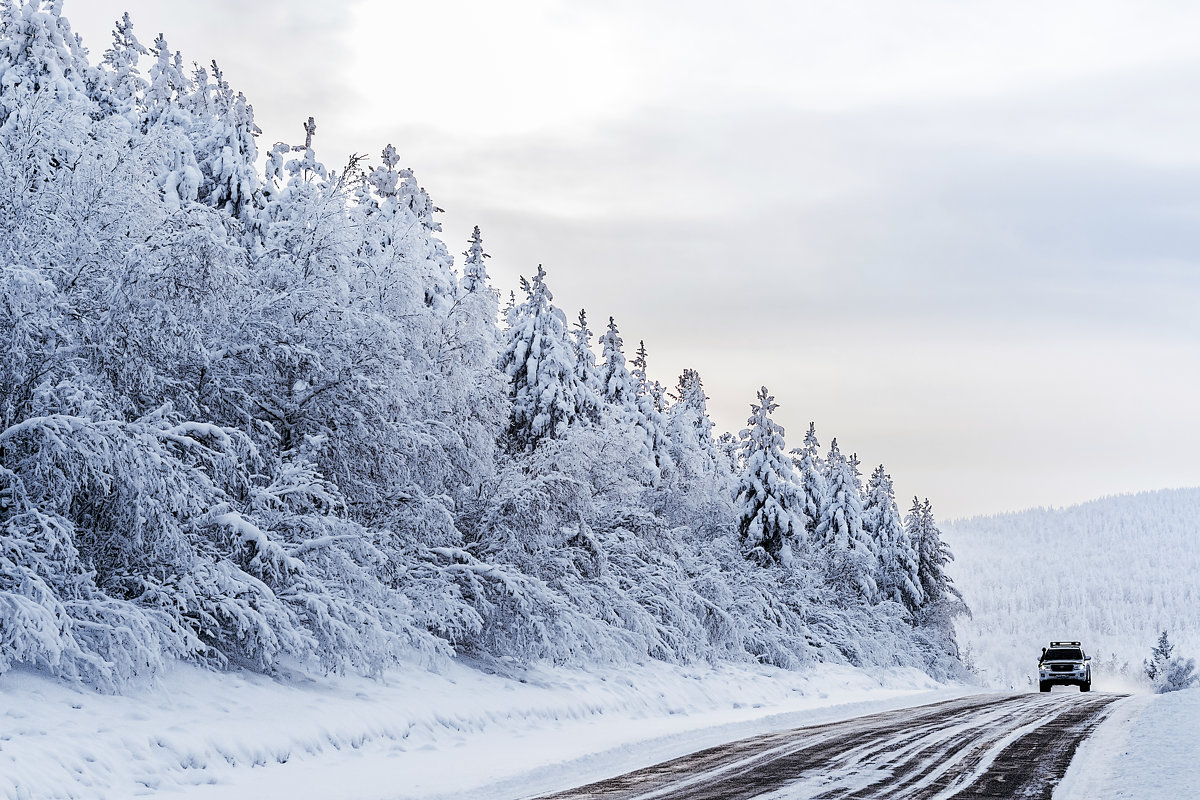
<point x="973" y="747"/>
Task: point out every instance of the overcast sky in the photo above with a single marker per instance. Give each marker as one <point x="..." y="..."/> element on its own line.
<point x="962" y="237"/>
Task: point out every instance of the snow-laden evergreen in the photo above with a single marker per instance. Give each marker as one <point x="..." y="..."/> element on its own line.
<point x="897" y="577"/>
<point x="1168" y="672"/>
<point x="251" y="417"/>
<point x="811" y="468"/>
<point x="586" y="369"/>
<point x="769" y="502"/>
<point x="847" y="549"/>
<point x="539" y="361"/>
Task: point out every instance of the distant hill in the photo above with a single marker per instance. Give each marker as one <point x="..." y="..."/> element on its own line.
<point x="1111" y="573"/>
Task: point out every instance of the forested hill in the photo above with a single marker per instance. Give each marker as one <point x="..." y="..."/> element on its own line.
<point x="1113" y="573"/>
<point x="260" y="418"/>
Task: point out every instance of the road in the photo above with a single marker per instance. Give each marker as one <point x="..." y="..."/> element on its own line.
<point x="1006" y="746"/>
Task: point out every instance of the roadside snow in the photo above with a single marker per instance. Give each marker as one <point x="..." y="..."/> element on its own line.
<point x="414" y="734"/>
<point x="1148" y="747"/>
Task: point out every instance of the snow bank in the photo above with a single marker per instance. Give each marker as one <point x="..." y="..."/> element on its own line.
<point x="412" y="735"/>
<point x="1148" y="747"/>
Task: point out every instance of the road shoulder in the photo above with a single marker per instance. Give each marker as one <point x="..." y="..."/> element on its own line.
<point x="1146" y="748"/>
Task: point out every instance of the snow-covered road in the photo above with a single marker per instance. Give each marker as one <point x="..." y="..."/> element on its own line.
<point x="977" y="746"/>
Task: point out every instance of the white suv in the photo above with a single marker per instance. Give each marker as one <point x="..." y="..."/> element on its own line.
<point x="1064" y="663"/>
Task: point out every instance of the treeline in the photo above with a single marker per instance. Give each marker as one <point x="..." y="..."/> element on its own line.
<point x="259" y="419"/>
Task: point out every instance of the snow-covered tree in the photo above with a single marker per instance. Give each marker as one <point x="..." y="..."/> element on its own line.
<point x="897" y="578"/>
<point x="932" y="553"/>
<point x="226" y="150"/>
<point x="617" y="387"/>
<point x="122" y="87"/>
<point x="1168" y="673"/>
<point x="585" y="363"/>
<point x="649" y="399"/>
<point x="811" y="468"/>
<point x="690" y="427"/>
<point x="622" y="406"/>
<point x="840" y="537"/>
<point x="475" y="277"/>
<point x="700" y="488"/>
<point x="539" y="360"/>
<point x="768" y="498"/>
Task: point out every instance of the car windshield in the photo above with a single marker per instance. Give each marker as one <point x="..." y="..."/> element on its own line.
<point x="1063" y="654"/>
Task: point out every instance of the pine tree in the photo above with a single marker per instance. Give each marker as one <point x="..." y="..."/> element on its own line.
<point x="897" y="576"/>
<point x="1166" y="672"/>
<point x="122" y="86"/>
<point x="768" y="498"/>
<point x="650" y="417"/>
<point x="848" y="549"/>
<point x="169" y="86"/>
<point x="698" y="493"/>
<point x="617" y="386"/>
<point x="690" y="426"/>
<point x="811" y="468"/>
<point x="585" y="365"/>
<point x="941" y="600"/>
<point x="619" y="393"/>
<point x="539" y="360"/>
<point x="1160" y="657"/>
<point x="474" y="389"/>
<point x="223" y="139"/>
<point x="475" y="277"/>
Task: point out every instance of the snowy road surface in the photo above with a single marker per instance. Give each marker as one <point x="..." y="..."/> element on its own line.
<point x="978" y="746"/>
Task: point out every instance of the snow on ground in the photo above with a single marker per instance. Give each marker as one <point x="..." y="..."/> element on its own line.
<point x="415" y="734"/>
<point x="1148" y="747"/>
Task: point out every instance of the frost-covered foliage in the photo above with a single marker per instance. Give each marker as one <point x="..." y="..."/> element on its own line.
<point x="770" y="505"/>
<point x="1112" y="573"/>
<point x="847" y="549"/>
<point x="1167" y="672"/>
<point x="897" y="576"/>
<point x="811" y="466"/>
<point x="539" y="360"/>
<point x="251" y="417"/>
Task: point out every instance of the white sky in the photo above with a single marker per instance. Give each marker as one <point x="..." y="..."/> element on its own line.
<point x="960" y="236"/>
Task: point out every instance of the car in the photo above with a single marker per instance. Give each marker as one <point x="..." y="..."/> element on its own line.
<point x="1064" y="664"/>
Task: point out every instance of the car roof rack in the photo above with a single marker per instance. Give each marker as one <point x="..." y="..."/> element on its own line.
<point x="1060" y="644"/>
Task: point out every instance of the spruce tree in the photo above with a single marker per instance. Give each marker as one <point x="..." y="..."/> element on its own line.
<point x="121" y="86"/>
<point x="811" y="468"/>
<point x="648" y="401"/>
<point x="619" y="392"/>
<point x="702" y="468"/>
<point x="690" y="425"/>
<point x="897" y="576"/>
<point x="539" y="359"/>
<point x="846" y="546"/>
<point x="941" y="600"/>
<point x="475" y="277"/>
<point x="585" y="365"/>
<point x="1166" y="672"/>
<point x="616" y="384"/>
<point x="226" y="150"/>
<point x="767" y="498"/>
